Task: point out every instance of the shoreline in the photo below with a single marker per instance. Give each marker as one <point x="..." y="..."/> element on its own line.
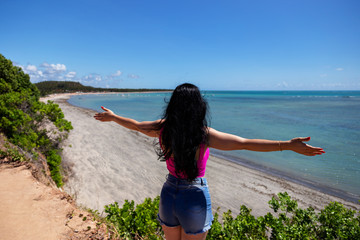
<point x="68" y="95"/>
<point x="253" y="188"/>
<point x="283" y="175"/>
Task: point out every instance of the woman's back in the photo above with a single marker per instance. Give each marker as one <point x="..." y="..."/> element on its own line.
<point x="201" y="157"/>
<point x="184" y="134"/>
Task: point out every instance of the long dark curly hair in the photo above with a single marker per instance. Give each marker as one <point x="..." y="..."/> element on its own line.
<point x="184" y="129"/>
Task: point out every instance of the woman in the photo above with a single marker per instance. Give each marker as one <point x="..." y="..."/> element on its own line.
<point x="184" y="142"/>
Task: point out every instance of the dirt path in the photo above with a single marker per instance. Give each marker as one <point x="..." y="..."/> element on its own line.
<point x="31" y="210"/>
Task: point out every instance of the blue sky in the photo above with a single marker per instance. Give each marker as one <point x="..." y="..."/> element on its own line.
<point x="218" y="45"/>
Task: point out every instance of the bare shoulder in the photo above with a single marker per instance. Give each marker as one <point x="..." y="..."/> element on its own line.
<point x="150" y="128"/>
<point x="213" y="133"/>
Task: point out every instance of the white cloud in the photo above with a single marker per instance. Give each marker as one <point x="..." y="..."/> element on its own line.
<point x="46" y="71"/>
<point x="58" y="72"/>
<point x="339" y="69"/>
<point x="35" y="75"/>
<point x="58" y="67"/>
<point x="92" y="77"/>
<point x="31" y="68"/>
<point x="117" y="74"/>
<point x="53" y="68"/>
<point x="70" y="75"/>
<point x="98" y="78"/>
<point x="133" y="76"/>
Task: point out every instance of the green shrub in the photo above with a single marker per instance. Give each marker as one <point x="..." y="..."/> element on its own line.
<point x="244" y="226"/>
<point x="135" y="222"/>
<point x="338" y="222"/>
<point x="291" y="222"/>
<point x="54" y="161"/>
<point x="13" y="154"/>
<point x="22" y="117"/>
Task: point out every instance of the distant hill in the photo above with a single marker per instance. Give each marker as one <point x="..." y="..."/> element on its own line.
<point x="50" y="87"/>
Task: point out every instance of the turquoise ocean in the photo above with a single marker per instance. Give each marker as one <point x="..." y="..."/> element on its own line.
<point x="331" y="118"/>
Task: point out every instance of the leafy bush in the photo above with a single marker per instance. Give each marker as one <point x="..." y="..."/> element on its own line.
<point x="244" y="226"/>
<point x="13" y="79"/>
<point x="291" y="222"/>
<point x="338" y="222"/>
<point x="23" y="117"/>
<point x="333" y="222"/>
<point x="13" y="155"/>
<point x="54" y="161"/>
<point x="135" y="222"/>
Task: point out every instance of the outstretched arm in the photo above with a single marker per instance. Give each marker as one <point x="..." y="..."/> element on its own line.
<point x="225" y="141"/>
<point x="147" y="127"/>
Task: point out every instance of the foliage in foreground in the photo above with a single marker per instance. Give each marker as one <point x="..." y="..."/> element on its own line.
<point x="289" y="221"/>
<point x="27" y="122"/>
<point x="135" y="222"/>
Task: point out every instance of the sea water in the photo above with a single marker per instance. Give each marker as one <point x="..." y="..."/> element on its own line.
<point x="331" y="118"/>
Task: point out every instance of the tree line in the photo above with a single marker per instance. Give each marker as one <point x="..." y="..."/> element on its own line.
<point x="51" y="87"/>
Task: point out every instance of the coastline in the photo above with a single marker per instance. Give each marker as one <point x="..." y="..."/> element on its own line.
<point x="56" y="96"/>
<point x="288" y="177"/>
<point x="109" y="163"/>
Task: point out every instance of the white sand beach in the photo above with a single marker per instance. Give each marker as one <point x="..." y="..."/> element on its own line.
<point x="109" y="163"/>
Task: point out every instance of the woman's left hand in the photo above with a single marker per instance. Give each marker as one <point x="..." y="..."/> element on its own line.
<point x="297" y="145"/>
<point x="106" y="116"/>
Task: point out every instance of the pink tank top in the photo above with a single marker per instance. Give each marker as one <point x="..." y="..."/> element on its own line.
<point x="201" y="162"/>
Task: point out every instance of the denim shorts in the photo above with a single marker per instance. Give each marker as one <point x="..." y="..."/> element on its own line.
<point x="185" y="204"/>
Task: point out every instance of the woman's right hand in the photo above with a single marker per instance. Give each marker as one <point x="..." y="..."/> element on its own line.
<point x="106" y="116"/>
